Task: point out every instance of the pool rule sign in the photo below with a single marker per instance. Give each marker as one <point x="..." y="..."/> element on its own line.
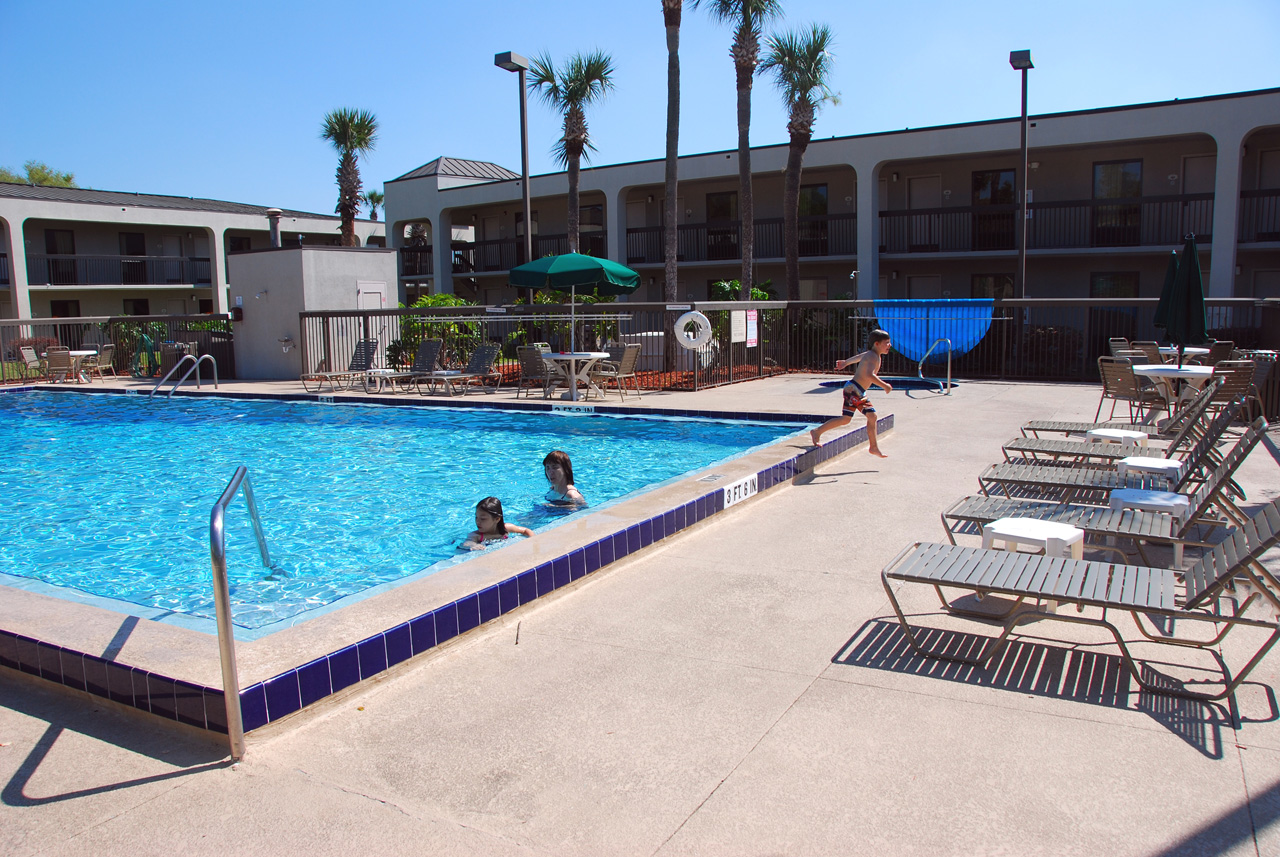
<point x="741" y="490"/>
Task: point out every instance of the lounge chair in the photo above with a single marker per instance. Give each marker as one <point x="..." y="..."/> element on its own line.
<point x="620" y="366"/>
<point x="1196" y="594"/>
<point x="1194" y="409"/>
<point x="1094" y="484"/>
<point x="1262" y="366"/>
<point x="534" y="371"/>
<point x="424" y="363"/>
<point x="361" y="362"/>
<point x="479" y="368"/>
<point x="31" y="366"/>
<point x="1237" y="378"/>
<point x="1173" y="526"/>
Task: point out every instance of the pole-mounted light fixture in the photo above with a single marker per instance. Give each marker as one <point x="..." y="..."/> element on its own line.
<point x="1021" y="61"/>
<point x="512" y="61"/>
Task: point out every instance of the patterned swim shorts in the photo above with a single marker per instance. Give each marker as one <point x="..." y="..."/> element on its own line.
<point x="855" y="401"/>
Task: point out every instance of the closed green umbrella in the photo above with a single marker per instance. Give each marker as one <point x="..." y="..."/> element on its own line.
<point x="1170" y="274"/>
<point x="1183" y="301"/>
<point x="570" y="271"/>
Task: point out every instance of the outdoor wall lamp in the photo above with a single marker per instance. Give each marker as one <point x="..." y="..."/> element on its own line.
<point x="259" y="295"/>
<point x="894" y="176"/>
<point x="650" y="197"/>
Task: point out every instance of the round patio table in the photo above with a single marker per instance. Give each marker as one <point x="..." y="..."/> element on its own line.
<point x="1165" y="374"/>
<point x="576" y="366"/>
<point x="1189" y="351"/>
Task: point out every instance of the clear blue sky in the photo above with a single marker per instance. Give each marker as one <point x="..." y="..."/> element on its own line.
<point x="224" y="100"/>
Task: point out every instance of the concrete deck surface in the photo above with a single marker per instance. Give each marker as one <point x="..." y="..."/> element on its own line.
<point x="742" y="689"/>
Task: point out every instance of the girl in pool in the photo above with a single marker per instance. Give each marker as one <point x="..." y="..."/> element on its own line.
<point x="560" y="474"/>
<point x="490" y="526"/>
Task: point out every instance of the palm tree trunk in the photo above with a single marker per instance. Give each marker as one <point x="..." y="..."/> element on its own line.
<point x="746" y="203"/>
<point x="791" y="213"/>
<point x="575" y="159"/>
<point x="348" y="197"/>
<point x="670" y="232"/>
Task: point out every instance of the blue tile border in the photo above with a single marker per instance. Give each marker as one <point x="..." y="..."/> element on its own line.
<point x="295" y="689"/>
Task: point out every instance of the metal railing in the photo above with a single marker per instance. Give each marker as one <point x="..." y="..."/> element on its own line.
<point x="1259" y="216"/>
<point x="925" y="359"/>
<point x="503" y="254"/>
<point x="824" y="235"/>
<point x="222" y="599"/>
<point x="417" y="261"/>
<point x="75" y="270"/>
<point x="1140" y="221"/>
<point x="195" y="367"/>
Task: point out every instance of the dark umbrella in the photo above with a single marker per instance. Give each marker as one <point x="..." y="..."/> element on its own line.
<point x="1183" y="302"/>
<point x="1170" y="274"/>
<point x="569" y="271"/>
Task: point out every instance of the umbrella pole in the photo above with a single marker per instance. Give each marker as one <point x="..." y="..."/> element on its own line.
<point x="573" y="316"/>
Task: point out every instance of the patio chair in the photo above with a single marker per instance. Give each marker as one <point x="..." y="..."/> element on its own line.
<point x="1219" y="350"/>
<point x="534" y="371"/>
<point x="101" y="363"/>
<point x="1116" y="343"/>
<point x="1194" y="409"/>
<point x="1237" y="378"/>
<point x="1094" y="484"/>
<point x="362" y="357"/>
<point x="1150" y="350"/>
<point x="1262" y="367"/>
<point x="424" y="363"/>
<point x="30" y="366"/>
<point x="1120" y="385"/>
<point x="1196" y="594"/>
<point x="620" y="366"/>
<point x="1136" y="521"/>
<point x="479" y="368"/>
<point x="58" y="364"/>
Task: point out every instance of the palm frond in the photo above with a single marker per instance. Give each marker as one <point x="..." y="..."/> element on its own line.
<point x="543" y="81"/>
<point x="350" y="130"/>
<point x="801" y="65"/>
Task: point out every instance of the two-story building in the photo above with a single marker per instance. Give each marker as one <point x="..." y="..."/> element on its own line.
<point x="68" y="252"/>
<point x="919" y="213"/>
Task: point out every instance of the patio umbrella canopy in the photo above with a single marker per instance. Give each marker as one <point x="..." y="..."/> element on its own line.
<point x="570" y="271"/>
<point x="1181" y="308"/>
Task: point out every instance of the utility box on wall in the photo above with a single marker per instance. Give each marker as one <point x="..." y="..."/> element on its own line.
<point x="269" y="288"/>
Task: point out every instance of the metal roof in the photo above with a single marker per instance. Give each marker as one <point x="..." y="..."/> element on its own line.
<point x="461" y="168"/>
<point x="141" y="200"/>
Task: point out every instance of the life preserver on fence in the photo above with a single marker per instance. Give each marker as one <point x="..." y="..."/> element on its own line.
<point x="699" y="339"/>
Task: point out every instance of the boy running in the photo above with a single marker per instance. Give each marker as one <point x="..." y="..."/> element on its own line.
<point x="855" y="392"/>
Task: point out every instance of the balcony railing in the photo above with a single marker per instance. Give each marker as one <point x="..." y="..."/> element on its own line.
<point x="417" y="261"/>
<point x="1136" y="222"/>
<point x="1259" y="216"/>
<point x="826" y="235"/>
<point x="503" y="254"/>
<point x="117" y="270"/>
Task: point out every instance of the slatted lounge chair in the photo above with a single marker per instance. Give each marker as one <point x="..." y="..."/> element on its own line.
<point x="1194" y="594"/>
<point x="968" y="514"/>
<point x="1089" y="484"/>
<point x="479" y="368"/>
<point x="361" y="362"/>
<point x="1189" y="428"/>
<point x="1192" y="411"/>
<point x="424" y="363"/>
<point x="31" y="366"/>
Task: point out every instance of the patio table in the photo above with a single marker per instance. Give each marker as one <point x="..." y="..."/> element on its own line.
<point x="1189" y="351"/>
<point x="1165" y="375"/>
<point x="575" y="367"/>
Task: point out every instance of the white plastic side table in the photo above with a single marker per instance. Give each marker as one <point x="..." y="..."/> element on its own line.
<point x="1169" y="468"/>
<point x="1057" y="540"/>
<point x="1120" y="436"/>
<point x="1168" y="502"/>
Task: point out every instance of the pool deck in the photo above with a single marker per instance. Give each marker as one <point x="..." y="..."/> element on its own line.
<point x="740" y="688"/>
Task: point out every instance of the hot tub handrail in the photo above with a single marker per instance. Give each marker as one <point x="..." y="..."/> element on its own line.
<point x="222" y="600"/>
<point x="195" y="364"/>
<point x="920" y="366"/>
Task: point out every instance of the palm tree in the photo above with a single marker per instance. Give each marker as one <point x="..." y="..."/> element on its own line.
<point x="352" y="133"/>
<point x="584" y="80"/>
<point x="801" y="66"/>
<point x="671" y="10"/>
<point x="748" y="18"/>
<point x="373" y="199"/>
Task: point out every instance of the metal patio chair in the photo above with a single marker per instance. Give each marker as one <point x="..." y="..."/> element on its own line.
<point x="362" y="357"/>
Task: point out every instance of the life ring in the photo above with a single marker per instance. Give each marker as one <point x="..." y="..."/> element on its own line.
<point x="699" y="339"/>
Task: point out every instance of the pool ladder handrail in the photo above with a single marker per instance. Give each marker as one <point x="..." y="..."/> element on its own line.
<point x="195" y="364"/>
<point x="222" y="600"/>
<point x="920" y="366"/>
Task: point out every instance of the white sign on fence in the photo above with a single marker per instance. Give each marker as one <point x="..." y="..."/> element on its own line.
<point x="753" y="328"/>
<point x="741" y="490"/>
<point x="737" y="325"/>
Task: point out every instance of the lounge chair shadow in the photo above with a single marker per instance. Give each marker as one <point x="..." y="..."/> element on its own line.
<point x="1038" y="669"/>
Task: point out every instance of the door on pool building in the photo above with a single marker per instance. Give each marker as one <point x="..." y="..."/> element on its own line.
<point x="925" y="193"/>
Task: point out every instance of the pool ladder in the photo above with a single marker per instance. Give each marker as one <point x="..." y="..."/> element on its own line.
<point x="195" y="365"/>
<point x="222" y="599"/>
<point x="920" y="367"/>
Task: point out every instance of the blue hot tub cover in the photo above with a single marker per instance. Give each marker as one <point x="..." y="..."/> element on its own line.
<point x="915" y="325"/>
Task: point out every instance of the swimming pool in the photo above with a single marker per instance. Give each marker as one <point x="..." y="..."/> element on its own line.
<point x="110" y="495"/>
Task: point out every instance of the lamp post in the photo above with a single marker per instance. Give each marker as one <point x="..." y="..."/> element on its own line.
<point x="1021" y="60"/>
<point x="512" y="61"/>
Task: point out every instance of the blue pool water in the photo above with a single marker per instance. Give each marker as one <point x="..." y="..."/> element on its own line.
<point x="111" y="495"/>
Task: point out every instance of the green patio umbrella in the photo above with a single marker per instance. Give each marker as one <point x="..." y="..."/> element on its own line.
<point x="570" y="271"/>
<point x="1170" y="274"/>
<point x="1183" y="302"/>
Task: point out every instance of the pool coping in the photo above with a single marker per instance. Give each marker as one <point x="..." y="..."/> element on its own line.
<point x="173" y="672"/>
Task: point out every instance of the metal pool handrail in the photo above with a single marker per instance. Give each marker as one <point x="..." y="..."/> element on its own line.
<point x="222" y="599"/>
<point x="920" y="366"/>
<point x="195" y="364"/>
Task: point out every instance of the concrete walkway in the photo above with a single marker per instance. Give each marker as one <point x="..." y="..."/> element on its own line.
<point x="742" y="689"/>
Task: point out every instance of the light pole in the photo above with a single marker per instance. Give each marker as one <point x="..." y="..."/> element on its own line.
<point x="512" y="61"/>
<point x="1021" y="60"/>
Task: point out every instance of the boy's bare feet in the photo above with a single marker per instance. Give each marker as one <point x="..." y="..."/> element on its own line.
<point x="813" y="436"/>
<point x="877" y="453"/>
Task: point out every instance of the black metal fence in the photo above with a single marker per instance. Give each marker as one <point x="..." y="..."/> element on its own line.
<point x="139" y="340"/>
<point x="117" y="270"/>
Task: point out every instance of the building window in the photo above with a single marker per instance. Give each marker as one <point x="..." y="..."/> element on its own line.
<point x="238" y="243"/>
<point x="992" y="230"/>
<point x="722" y="206"/>
<point x="1113" y="284"/>
<point x="1117" y="224"/>
<point x="64" y="309"/>
<point x="722" y="228"/>
<point x="133" y="271"/>
<point x="813" y="221"/>
<point x="206" y="306"/>
<point x="137" y="306"/>
<point x="998" y="286"/>
<point x="60" y="242"/>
